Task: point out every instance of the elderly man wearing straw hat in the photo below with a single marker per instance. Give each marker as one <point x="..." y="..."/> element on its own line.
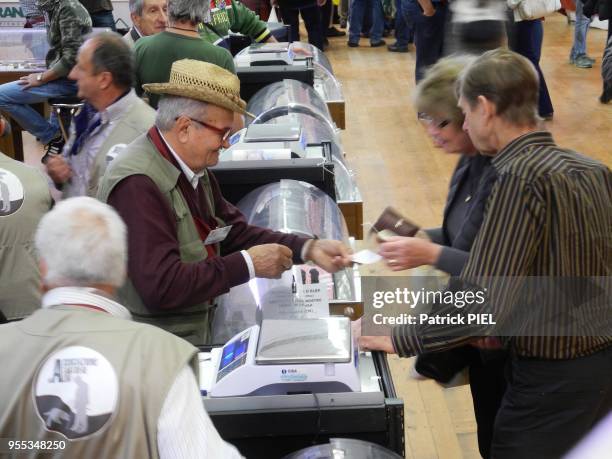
<point x="187" y="244"/>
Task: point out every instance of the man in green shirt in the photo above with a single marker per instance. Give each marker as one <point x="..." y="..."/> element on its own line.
<point x="155" y="54"/>
<point x="231" y="15"/>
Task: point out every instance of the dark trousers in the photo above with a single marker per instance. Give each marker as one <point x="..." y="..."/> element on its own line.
<point x="428" y="34"/>
<point x="312" y="20"/>
<point x="488" y="386"/>
<point x="487" y="383"/>
<point x="103" y="19"/>
<point x="326" y="12"/>
<point x="551" y="404"/>
<point x="526" y="39"/>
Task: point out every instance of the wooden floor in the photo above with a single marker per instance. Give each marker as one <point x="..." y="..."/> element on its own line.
<point x="396" y="165"/>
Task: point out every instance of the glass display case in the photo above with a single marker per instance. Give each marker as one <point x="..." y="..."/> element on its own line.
<point x="290" y="102"/>
<point x="316" y="131"/>
<point x="326" y="84"/>
<point x="288" y="96"/>
<point x="23" y="50"/>
<point x="298" y="54"/>
<point x="296" y="208"/>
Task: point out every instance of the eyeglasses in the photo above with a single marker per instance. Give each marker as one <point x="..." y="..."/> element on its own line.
<point x="430" y="121"/>
<point x="223" y="133"/>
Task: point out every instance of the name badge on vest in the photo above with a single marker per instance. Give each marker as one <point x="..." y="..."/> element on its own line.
<point x="217" y="235"/>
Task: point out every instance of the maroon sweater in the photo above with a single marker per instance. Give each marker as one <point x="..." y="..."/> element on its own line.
<point x="154" y="264"/>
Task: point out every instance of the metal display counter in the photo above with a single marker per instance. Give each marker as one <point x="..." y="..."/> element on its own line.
<point x="272" y="426"/>
<point x="255" y="159"/>
<point x="293" y="102"/>
<point x="325" y="82"/>
<point x="309" y="405"/>
<point x="288" y="96"/>
<point x="295" y="208"/>
<point x="253" y="78"/>
<point x="265" y="59"/>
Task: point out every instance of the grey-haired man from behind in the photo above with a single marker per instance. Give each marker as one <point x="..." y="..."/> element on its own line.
<point x="88" y="379"/>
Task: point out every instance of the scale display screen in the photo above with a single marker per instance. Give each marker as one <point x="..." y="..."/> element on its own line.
<point x="233" y="352"/>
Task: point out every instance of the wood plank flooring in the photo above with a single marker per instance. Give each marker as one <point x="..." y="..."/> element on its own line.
<point x="397" y="165"/>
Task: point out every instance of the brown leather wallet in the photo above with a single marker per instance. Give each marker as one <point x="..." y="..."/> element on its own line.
<point x="393" y="221"/>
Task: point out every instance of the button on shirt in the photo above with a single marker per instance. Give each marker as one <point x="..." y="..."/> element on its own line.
<point x="83" y="162"/>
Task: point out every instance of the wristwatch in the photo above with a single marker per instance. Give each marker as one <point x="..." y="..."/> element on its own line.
<point x="39" y="77"/>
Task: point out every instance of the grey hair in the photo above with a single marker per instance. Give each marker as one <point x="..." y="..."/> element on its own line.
<point x="508" y="80"/>
<point x="112" y="54"/>
<point x="136" y="7"/>
<point x="188" y="10"/>
<point x="171" y="107"/>
<point x="82" y="242"/>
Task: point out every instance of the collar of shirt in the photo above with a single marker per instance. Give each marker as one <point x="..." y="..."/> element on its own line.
<point x="137" y="31"/>
<point x="194" y="178"/>
<point x="86" y="296"/>
<point x="514" y="148"/>
<point x="116" y="110"/>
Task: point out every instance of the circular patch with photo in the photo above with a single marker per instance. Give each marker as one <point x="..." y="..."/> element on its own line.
<point x="76" y="392"/>
<point x="11" y="193"/>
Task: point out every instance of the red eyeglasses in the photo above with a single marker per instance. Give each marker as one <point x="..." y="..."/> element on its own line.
<point x="223" y="133"/>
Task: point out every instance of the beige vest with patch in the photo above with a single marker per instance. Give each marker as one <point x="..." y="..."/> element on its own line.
<point x="19" y="276"/>
<point x="145" y="359"/>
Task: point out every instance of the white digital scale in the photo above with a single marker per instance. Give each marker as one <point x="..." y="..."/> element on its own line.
<point x="285" y="357"/>
<point x="265" y="54"/>
<point x="270" y="142"/>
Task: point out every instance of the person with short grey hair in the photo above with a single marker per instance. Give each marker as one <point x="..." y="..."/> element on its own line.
<point x="149" y="17"/>
<point x="188" y="245"/>
<point x="512" y="85"/>
<point x="76" y="227"/>
<point x="542" y="256"/>
<point x="191" y="11"/>
<point x="112" y="115"/>
<point x="81" y="355"/>
<point x="156" y="54"/>
<point x="171" y="107"/>
<point x="448" y="246"/>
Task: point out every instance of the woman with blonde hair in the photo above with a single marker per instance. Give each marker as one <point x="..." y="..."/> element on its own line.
<point x="448" y="246"/>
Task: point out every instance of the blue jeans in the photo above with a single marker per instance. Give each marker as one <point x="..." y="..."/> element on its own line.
<point x="404" y="32"/>
<point x="527" y="41"/>
<point x="428" y="33"/>
<point x="15" y="101"/>
<point x="580" y="32"/>
<point x="357" y="12"/>
<point x="103" y="19"/>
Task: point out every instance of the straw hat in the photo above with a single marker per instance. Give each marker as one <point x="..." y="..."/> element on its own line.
<point x="203" y="81"/>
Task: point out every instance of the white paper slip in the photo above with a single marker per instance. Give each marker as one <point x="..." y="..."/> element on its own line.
<point x="365" y="257"/>
<point x="218" y="235"/>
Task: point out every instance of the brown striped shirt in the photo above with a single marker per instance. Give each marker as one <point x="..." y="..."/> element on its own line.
<point x="546" y="236"/>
